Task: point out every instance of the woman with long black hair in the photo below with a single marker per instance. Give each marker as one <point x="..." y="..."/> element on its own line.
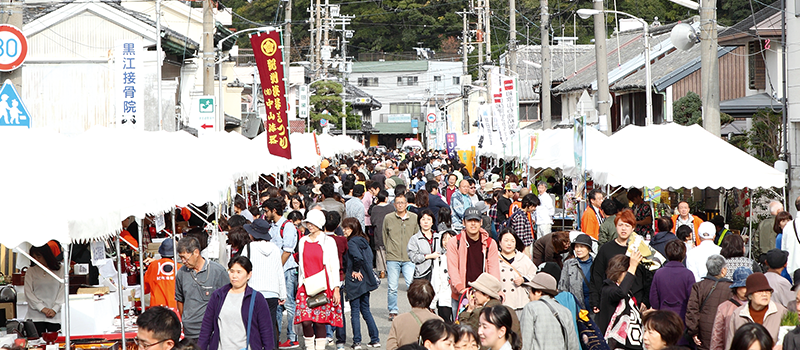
<point x="44" y="293"/>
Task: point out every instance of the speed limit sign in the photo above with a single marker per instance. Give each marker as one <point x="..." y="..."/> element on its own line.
<point x="13" y="47"/>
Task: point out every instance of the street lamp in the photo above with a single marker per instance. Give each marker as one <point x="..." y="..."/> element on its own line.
<point x="586" y="13"/>
<point x="221" y="116"/>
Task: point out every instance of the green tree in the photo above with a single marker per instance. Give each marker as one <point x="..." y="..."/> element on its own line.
<point x="325" y="96"/>
<point x="764" y="137"/>
<point x="687" y="110"/>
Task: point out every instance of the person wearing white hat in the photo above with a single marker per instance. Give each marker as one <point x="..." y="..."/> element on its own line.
<point x="697" y="257"/>
<point x="319" y="266"/>
<point x="545" y="323"/>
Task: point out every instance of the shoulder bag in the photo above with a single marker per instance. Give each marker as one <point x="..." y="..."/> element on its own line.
<point x="250" y="319"/>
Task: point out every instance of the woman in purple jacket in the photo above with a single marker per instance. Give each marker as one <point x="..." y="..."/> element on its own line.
<point x="673" y="282"/>
<point x="228" y="313"/>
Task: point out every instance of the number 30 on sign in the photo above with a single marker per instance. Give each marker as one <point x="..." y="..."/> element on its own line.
<point x="13" y="48"/>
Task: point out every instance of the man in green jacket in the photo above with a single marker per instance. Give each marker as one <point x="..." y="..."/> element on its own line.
<point x="398" y="227"/>
<point x="608" y="230"/>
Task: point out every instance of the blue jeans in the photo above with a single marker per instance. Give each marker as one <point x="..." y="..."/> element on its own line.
<point x="291" y="295"/>
<point x="361" y="305"/>
<point x="393" y="271"/>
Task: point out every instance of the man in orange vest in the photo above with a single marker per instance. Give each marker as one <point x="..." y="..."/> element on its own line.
<point x="159" y="279"/>
<point x="684" y="218"/>
<point x="592" y="216"/>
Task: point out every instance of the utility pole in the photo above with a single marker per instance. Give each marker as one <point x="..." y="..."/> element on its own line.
<point x="601" y="62"/>
<point x="709" y="67"/>
<point x="481" y="38"/>
<point x="488" y="35"/>
<point x="325" y="26"/>
<point x="546" y="78"/>
<point x="512" y="35"/>
<point x="464" y="35"/>
<point x="318" y="38"/>
<point x="287" y="37"/>
<point x="345" y="20"/>
<point x="208" y="53"/>
<point x="14" y="12"/>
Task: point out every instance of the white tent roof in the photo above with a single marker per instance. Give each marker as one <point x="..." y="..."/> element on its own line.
<point x="696" y="159"/>
<point x="91" y="181"/>
<point x="556" y="150"/>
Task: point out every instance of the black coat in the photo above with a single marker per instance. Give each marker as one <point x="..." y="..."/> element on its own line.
<point x="359" y="259"/>
<point x="792" y="339"/>
<point x="610" y="297"/>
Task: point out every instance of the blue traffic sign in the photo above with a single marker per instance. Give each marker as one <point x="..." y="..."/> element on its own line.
<point x="12" y="110"/>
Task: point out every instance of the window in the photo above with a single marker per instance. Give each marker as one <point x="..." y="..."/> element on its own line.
<point x="368" y="81"/>
<point x="413" y="108"/>
<point x="437" y="78"/>
<point x="456" y="80"/>
<point x="756" y="71"/>
<point x="408" y="81"/>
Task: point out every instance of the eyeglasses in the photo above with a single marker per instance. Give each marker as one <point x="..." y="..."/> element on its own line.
<point x="142" y="345"/>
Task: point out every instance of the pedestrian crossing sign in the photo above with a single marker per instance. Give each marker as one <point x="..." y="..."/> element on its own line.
<point x="12" y="110"/>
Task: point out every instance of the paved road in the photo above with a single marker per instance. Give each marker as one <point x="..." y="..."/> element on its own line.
<point x="378" y="305"/>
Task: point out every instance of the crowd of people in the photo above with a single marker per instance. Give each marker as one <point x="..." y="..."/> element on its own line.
<point x="482" y="264"/>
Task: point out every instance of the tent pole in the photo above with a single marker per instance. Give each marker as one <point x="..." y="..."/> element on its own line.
<point x="750" y="231"/>
<point x="120" y="291"/>
<point x="141" y="265"/>
<point x="66" y="297"/>
<point x="174" y="236"/>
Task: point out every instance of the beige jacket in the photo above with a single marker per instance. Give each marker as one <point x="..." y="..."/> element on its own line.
<point x="741" y="316"/>
<point x="405" y="328"/>
<point x="515" y="296"/>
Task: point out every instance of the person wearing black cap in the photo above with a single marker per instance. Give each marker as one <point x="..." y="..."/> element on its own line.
<point x="268" y="277"/>
<point x="577" y="270"/>
<point x="159" y="279"/>
<point x="782" y="290"/>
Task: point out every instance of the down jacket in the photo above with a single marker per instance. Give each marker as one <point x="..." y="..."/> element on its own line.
<point x="701" y="322"/>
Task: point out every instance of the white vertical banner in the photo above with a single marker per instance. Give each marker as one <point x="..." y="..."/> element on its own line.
<point x="303" y="100"/>
<point x="496" y="97"/>
<point x="485" y="117"/>
<point x="510" y="104"/>
<point x="129" y="83"/>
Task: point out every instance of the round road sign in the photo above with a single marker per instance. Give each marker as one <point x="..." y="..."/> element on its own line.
<point x="323" y="122"/>
<point x="431" y="117"/>
<point x="13" y="47"/>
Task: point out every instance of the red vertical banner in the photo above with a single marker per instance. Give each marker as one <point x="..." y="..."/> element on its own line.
<point x="269" y="59"/>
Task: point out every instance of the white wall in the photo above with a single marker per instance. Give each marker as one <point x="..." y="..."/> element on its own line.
<point x="388" y="92"/>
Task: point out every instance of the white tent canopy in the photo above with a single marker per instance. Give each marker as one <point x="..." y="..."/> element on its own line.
<point x="556" y="150"/>
<point x="636" y="164"/>
<point x="516" y="148"/>
<point x="91" y="181"/>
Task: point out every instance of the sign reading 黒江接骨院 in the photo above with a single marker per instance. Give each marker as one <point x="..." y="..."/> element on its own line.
<point x="128" y="79"/>
<point x="269" y="59"/>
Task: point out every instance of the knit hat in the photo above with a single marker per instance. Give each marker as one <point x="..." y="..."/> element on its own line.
<point x="488" y="285"/>
<point x="550" y="268"/>
<point x="757" y="282"/>
<point x="777" y="258"/>
<point x="166" y="249"/>
<point x="740" y="276"/>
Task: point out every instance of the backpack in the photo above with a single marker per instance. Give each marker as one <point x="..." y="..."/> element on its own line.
<point x="296" y="253"/>
<point x="507" y="223"/>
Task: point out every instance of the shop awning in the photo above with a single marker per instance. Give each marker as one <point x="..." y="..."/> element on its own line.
<point x="393" y="129"/>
